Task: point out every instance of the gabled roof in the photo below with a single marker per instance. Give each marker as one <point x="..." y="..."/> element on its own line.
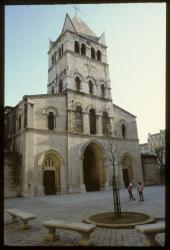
<point x="78" y="26"/>
<point x="82" y="28"/>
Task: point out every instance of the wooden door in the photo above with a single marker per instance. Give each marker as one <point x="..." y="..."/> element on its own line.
<point x="126" y="177"/>
<point x="49" y="182"/>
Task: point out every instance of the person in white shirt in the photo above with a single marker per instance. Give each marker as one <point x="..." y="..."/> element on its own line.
<point x="140" y="191"/>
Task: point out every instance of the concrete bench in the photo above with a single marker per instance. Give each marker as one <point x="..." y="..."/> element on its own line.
<point x="84" y="229"/>
<point x="150" y="231"/>
<point x="24" y="216"/>
<point x="160" y="239"/>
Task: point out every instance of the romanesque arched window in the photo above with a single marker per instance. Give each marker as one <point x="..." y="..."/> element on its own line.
<point x="19" y="122"/>
<point x="52" y="90"/>
<point x="60" y="86"/>
<point x="76" y="47"/>
<point x="92" y="121"/>
<point x="123" y="130"/>
<point x="83" y="49"/>
<point x="92" y="53"/>
<point x="50" y="121"/>
<point x="53" y="59"/>
<point x="99" y="55"/>
<point x="106" y="123"/>
<point x="60" y="52"/>
<point x="79" y="119"/>
<point x="102" y="90"/>
<point x="90" y="87"/>
<point x="77" y="80"/>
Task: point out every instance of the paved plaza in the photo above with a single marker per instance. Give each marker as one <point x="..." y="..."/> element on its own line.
<point x="76" y="207"/>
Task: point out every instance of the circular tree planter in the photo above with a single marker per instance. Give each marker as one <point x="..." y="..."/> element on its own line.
<point x="127" y="219"/>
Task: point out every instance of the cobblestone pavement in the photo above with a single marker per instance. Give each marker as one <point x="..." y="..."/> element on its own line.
<point x="76" y="207"/>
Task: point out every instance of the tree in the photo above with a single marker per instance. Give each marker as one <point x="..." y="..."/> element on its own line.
<point x="114" y="148"/>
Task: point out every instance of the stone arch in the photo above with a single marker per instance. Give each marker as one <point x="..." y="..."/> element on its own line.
<point x="94" y="175"/>
<point x="50" y="172"/>
<point x="127" y="167"/>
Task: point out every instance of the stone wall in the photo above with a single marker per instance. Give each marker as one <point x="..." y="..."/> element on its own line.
<point x="11" y="175"/>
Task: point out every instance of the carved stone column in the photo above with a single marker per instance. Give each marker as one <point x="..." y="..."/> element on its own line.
<point x="99" y="124"/>
<point x="82" y="185"/>
<point x="71" y="121"/>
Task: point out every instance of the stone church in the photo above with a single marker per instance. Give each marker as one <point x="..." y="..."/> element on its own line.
<point x="59" y="142"/>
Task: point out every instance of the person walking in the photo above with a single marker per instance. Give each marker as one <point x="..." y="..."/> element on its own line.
<point x="140" y="191"/>
<point x="130" y="192"/>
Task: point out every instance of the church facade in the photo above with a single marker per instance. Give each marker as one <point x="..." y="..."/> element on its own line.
<point x="64" y="139"/>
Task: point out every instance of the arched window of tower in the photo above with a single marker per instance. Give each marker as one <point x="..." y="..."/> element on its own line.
<point x="60" y="87"/>
<point x="50" y="121"/>
<point x="19" y="122"/>
<point x="92" y="121"/>
<point x="92" y="53"/>
<point x="106" y="124"/>
<point x="62" y="50"/>
<point x="90" y="87"/>
<point x="98" y="55"/>
<point x="77" y="80"/>
<point x="83" y="49"/>
<point x="76" y="47"/>
<point x="52" y="90"/>
<point x="102" y="90"/>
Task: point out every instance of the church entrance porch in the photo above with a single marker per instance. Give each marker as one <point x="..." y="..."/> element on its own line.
<point x="93" y="170"/>
<point x="49" y="173"/>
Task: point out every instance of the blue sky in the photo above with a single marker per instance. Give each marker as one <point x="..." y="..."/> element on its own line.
<point x="135" y="36"/>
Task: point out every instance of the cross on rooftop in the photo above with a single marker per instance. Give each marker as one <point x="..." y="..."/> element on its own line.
<point x="76" y="8"/>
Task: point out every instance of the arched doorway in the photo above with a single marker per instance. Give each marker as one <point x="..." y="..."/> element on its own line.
<point x="127" y="170"/>
<point x="93" y="170"/>
<point x="51" y="174"/>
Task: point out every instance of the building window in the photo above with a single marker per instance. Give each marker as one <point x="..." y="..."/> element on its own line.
<point x="60" y="87"/>
<point x="60" y="52"/>
<point x="92" y="53"/>
<point x="90" y="87"/>
<point x="77" y="80"/>
<point x="53" y="59"/>
<point x="76" y="47"/>
<point x="92" y="121"/>
<point x="102" y="90"/>
<point x="98" y="55"/>
<point x="79" y="119"/>
<point x="106" y="124"/>
<point x="52" y="90"/>
<point x="19" y="122"/>
<point x="51" y="121"/>
<point x="83" y="49"/>
<point x="123" y="130"/>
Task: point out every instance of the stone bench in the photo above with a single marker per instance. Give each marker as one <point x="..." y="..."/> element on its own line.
<point x="84" y="229"/>
<point x="160" y="239"/>
<point x="150" y="231"/>
<point x="24" y="216"/>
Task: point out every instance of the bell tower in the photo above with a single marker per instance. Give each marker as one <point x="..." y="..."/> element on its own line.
<point x="78" y="61"/>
